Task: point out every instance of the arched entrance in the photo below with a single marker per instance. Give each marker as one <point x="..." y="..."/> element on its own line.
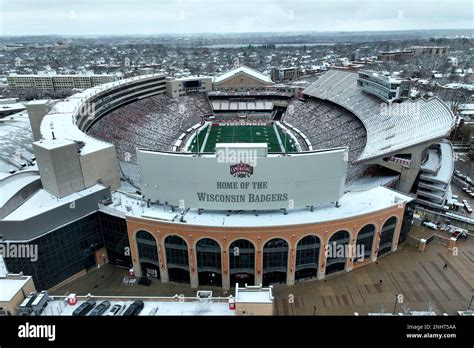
<point x="208" y="253"/>
<point x="242" y="262"/>
<point x="177" y="259"/>
<point x="307" y="258"/>
<point x="337" y="252"/>
<point x="148" y="254"/>
<point x="386" y="236"/>
<point x="364" y="243"/>
<point x="275" y="261"/>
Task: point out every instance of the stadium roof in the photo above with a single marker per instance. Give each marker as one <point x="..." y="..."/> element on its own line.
<point x="61" y="118"/>
<point x="389" y="130"/>
<point x="243" y="70"/>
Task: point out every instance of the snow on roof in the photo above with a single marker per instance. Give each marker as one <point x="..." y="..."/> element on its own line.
<point x="9" y="287"/>
<point x="43" y="201"/>
<point x="351" y="204"/>
<point x="246" y="70"/>
<point x="11" y="184"/>
<point x="253" y="294"/>
<point x="11" y="107"/>
<point x="162" y="307"/>
<point x="433" y="162"/>
<point x="405" y="125"/>
<point x="62" y="117"/>
<point x="445" y="171"/>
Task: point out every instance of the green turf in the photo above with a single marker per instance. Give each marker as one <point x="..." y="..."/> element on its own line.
<point x="242" y="134"/>
<point x="287" y="141"/>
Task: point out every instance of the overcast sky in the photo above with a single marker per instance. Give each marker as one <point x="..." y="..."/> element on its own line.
<point x="93" y="17"/>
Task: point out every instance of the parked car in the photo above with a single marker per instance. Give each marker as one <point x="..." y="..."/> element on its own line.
<point x="458" y="234"/>
<point x="84" y="308"/>
<point x="116" y="309"/>
<point x="100" y="309"/>
<point x="135" y="308"/>
<point x="431" y="225"/>
<point x="144" y="281"/>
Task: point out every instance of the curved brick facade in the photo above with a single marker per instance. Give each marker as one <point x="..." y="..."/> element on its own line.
<point x="258" y="236"/>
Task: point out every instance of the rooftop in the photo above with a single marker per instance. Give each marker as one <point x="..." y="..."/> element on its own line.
<point x="253" y="294"/>
<point x="389" y="130"/>
<point x="62" y="118"/>
<point x="10" y="285"/>
<point x="246" y="70"/>
<point x="351" y="204"/>
<point x="43" y="201"/>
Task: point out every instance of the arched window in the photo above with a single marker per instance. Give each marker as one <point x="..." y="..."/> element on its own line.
<point x="147" y="249"/>
<point x="307" y="257"/>
<point x="386" y="237"/>
<point x="337" y="252"/>
<point x="148" y="254"/>
<point x="242" y="262"/>
<point x="208" y="253"/>
<point x="275" y="261"/>
<point x="177" y="259"/>
<point x="365" y="240"/>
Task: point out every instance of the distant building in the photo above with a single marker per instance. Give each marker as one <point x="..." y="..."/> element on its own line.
<point x="413" y="51"/>
<point x="51" y="82"/>
<point x="177" y="87"/>
<point x="386" y="87"/>
<point x="241" y="78"/>
<point x="395" y="55"/>
<point x="433" y="50"/>
<point x="285" y="74"/>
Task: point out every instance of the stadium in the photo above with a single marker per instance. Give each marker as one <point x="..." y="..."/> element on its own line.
<point x="225" y="180"/>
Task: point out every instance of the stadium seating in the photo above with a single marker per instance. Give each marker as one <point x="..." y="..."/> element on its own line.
<point x="406" y="124"/>
<point x="327" y="125"/>
<point x="152" y="123"/>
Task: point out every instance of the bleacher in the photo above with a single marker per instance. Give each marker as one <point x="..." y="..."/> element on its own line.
<point x="327" y="125"/>
<point x="154" y="123"/>
<point x="406" y="124"/>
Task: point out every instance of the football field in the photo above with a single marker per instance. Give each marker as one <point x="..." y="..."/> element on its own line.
<point x="242" y="134"/>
